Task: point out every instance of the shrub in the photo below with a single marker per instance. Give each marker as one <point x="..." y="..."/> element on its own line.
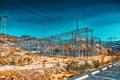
<point x="87" y="65"/>
<point x="74" y="66"/>
<point x="96" y="63"/>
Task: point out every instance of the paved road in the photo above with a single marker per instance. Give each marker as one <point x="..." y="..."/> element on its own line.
<point x="109" y="74"/>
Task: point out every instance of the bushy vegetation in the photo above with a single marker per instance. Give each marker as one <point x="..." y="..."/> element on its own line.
<point x="72" y="65"/>
<point x="88" y="66"/>
<point x="96" y="63"/>
<point x="80" y="68"/>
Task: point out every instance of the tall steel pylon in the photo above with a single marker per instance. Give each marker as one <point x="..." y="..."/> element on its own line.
<point x="76" y="38"/>
<point x="112" y="42"/>
<point x="3" y="23"/>
<point x="3" y="28"/>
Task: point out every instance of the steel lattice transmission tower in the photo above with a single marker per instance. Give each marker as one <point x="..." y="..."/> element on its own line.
<point x="76" y="37"/>
<point x="3" y="30"/>
<point x="3" y="24"/>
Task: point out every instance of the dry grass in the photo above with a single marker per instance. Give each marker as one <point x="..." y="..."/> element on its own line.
<point x="57" y="71"/>
<point x="35" y="74"/>
<point x="15" y="59"/>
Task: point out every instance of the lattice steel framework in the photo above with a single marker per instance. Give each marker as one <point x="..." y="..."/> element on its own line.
<point x="78" y="42"/>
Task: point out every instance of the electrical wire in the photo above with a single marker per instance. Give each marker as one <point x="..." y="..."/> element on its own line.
<point x="32" y="15"/>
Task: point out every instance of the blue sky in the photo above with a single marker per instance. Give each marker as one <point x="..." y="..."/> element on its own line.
<point x="49" y="17"/>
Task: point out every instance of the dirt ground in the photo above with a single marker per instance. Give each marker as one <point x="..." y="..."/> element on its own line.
<point x="38" y="67"/>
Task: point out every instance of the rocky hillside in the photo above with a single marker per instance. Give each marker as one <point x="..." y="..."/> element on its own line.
<point x="8" y="38"/>
<point x="4" y="38"/>
<point x="18" y="64"/>
<point x="36" y="43"/>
